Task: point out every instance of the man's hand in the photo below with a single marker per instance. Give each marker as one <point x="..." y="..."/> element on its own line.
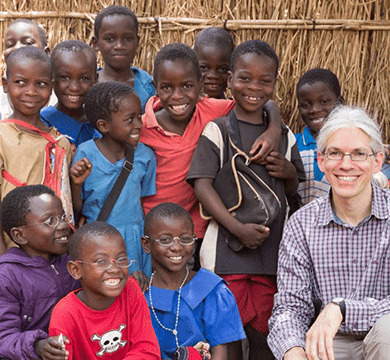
<point x="319" y="339"/>
<point x="295" y="353"/>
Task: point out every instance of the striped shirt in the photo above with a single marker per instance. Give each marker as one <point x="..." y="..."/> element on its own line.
<point x="322" y="258"/>
<point x="316" y="184"/>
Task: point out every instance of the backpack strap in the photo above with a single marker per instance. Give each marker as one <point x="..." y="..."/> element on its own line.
<point x="118" y="186"/>
<point x="26" y="125"/>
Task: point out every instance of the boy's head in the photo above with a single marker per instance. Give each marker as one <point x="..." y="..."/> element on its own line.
<point x="33" y="217"/>
<point x="214" y="47"/>
<point x="116" y="36"/>
<point x="24" y="32"/>
<point x="253" y="72"/>
<point x="165" y="224"/>
<point x="75" y="71"/>
<point x="318" y="91"/>
<point x="28" y="81"/>
<point x="99" y="262"/>
<point x="178" y="80"/>
<point x="114" y="109"/>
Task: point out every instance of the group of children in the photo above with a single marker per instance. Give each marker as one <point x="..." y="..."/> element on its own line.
<point x="179" y="124"/>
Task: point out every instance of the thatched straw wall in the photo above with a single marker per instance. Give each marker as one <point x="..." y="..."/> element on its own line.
<point x="350" y="37"/>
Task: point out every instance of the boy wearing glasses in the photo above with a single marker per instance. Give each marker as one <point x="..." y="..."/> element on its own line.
<point x="109" y="314"/>
<point x="33" y="276"/>
<point x="333" y="299"/>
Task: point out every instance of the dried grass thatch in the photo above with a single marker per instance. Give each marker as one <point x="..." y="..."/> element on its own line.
<point x="348" y="37"/>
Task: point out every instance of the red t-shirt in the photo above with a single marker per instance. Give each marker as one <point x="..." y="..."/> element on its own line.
<point x="174" y="154"/>
<point x="123" y="331"/>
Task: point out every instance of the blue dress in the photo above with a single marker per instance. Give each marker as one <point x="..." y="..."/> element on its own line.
<point x="76" y="131"/>
<point x="208" y="312"/>
<point x="127" y="214"/>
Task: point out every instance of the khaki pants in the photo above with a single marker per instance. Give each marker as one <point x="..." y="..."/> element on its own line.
<point x="375" y="346"/>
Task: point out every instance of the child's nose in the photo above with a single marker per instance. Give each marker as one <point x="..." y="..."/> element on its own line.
<point x="177" y="93"/>
<point x="74" y="85"/>
<point x="119" y="45"/>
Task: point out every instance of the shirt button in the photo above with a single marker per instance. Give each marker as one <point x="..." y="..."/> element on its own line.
<point x="29" y="319"/>
<point x="24" y="317"/>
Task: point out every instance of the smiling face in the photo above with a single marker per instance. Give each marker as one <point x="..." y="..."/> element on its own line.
<point x="214" y="63"/>
<point x="178" y="86"/>
<point x="252" y="83"/>
<point x="74" y="74"/>
<point x="101" y="287"/>
<point x="29" y="91"/>
<point x="41" y="239"/>
<point x="117" y="42"/>
<point x="126" y="123"/>
<point x="21" y="34"/>
<point x="350" y="179"/>
<point x="172" y="258"/>
<point x="315" y="102"/>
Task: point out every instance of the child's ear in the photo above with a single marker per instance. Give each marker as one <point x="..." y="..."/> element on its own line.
<point x="4" y="83"/>
<point x="74" y="269"/>
<point x="102" y="126"/>
<point x="96" y="78"/>
<point x="229" y="80"/>
<point x="94" y="43"/>
<point x="17" y="235"/>
<point x="47" y="50"/>
<point x="145" y="244"/>
<point x="155" y="87"/>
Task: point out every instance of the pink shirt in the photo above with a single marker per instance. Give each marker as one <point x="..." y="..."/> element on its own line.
<point x="174" y="154"/>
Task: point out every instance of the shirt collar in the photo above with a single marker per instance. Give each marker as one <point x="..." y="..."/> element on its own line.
<point x="308" y="137"/>
<point x="380" y="206"/>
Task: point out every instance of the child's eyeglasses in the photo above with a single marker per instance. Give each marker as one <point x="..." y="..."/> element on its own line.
<point x="169" y="240"/>
<point x="105" y="264"/>
<point x="52" y="221"/>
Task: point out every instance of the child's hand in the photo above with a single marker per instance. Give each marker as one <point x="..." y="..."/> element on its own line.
<point x="51" y="348"/>
<point x="142" y="279"/>
<point x="252" y="235"/>
<point x="269" y="140"/>
<point x="80" y="170"/>
<point x="279" y="167"/>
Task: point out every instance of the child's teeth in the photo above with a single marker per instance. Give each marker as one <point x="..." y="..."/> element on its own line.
<point x="179" y="107"/>
<point x="318" y="120"/>
<point x="175" y="258"/>
<point x="112" y="282"/>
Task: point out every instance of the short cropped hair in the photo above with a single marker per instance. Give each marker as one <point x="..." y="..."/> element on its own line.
<point x="321" y="75"/>
<point x="173" y="52"/>
<point x="258" y="47"/>
<point x="114" y="10"/>
<point x="81" y="235"/>
<point x="41" y="32"/>
<point x="103" y="99"/>
<point x="73" y="46"/>
<point x="344" y="116"/>
<point x="214" y="36"/>
<point x="163" y="211"/>
<point x="27" y="52"/>
<point x="16" y="205"/>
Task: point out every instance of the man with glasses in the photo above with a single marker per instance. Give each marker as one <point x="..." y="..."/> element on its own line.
<point x="333" y="299"/>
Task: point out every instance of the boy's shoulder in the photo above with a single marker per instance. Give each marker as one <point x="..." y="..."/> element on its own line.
<point x="142" y="75"/>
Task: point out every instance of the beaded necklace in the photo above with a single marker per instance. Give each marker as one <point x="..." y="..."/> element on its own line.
<point x="174" y="330"/>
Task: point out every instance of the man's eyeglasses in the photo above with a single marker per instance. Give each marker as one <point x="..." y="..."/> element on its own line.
<point x="105" y="264"/>
<point x="52" y="221"/>
<point x="354" y="156"/>
<point x="169" y="240"/>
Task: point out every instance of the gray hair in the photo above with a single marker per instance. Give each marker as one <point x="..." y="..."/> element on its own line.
<point x="344" y="116"/>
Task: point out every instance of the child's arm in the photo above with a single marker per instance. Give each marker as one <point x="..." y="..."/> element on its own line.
<point x="269" y="140"/>
<point x="219" y="352"/>
<point x="279" y="167"/>
<point x="251" y="235"/>
<point x="51" y="348"/>
<point x="79" y="171"/>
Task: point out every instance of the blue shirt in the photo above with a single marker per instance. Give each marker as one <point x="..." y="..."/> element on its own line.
<point x="127" y="213"/>
<point x="208" y="312"/>
<point x="316" y="184"/>
<point x="75" y="131"/>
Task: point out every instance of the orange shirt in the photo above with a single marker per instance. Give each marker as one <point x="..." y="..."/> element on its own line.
<point x="174" y="154"/>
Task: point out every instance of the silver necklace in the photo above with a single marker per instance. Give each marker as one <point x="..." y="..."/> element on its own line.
<point x="174" y="330"/>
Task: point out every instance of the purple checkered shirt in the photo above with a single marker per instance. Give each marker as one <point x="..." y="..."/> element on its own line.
<point x="321" y="258"/>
